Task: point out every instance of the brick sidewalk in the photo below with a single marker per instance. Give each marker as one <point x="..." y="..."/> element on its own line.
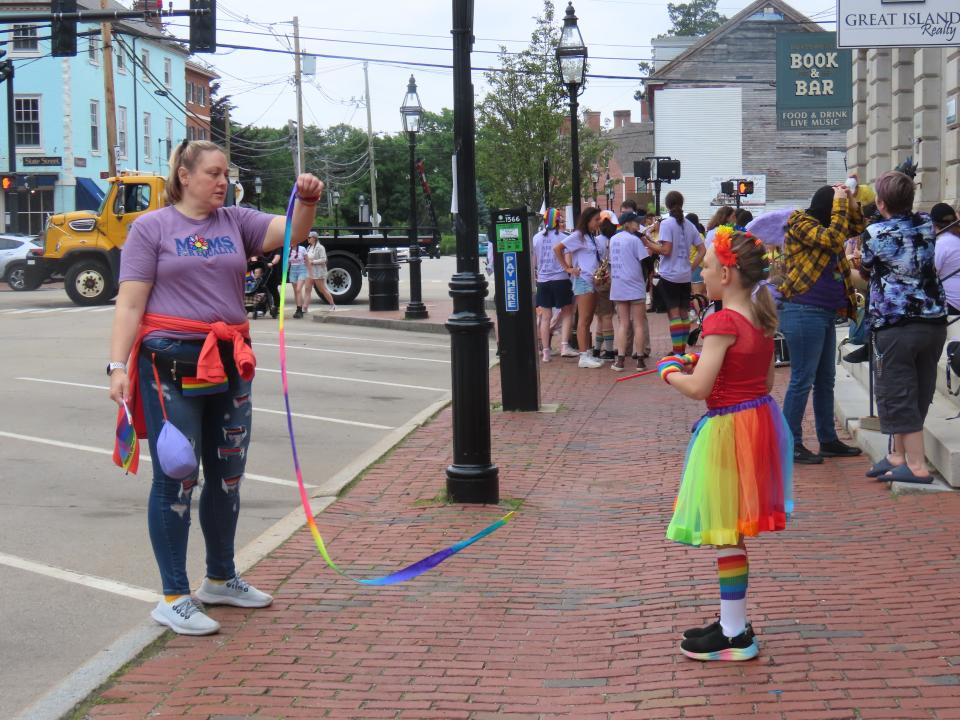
<point x="574" y="609"/>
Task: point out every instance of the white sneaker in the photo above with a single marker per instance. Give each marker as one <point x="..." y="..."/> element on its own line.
<point x="185" y="617"/>
<point x="236" y="591"/>
<point x="545" y="356"/>
<point x="587" y="360"/>
<point x="567" y="351"/>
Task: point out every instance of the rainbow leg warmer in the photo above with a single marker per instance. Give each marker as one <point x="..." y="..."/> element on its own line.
<point x="734" y="572"/>
<point x="679" y="332"/>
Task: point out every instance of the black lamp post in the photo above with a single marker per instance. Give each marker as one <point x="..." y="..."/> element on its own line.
<point x="595" y="176"/>
<point x="472" y="478"/>
<point x="412" y="112"/>
<point x="335" y="196"/>
<point x="258" y="189"/>
<point x="572" y="61"/>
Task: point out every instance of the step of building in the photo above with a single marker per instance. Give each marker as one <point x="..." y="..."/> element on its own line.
<point x="941" y="435"/>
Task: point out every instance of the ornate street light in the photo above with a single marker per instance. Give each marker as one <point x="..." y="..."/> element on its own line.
<point x="258" y="188"/>
<point x="412" y="113"/>
<point x="572" y="63"/>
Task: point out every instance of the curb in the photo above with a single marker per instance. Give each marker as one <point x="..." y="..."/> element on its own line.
<point x="385" y="323"/>
<point x="90" y="676"/>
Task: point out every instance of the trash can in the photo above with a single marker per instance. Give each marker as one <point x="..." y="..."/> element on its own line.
<point x="383" y="275"/>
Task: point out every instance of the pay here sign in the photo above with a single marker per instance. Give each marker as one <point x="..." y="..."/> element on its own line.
<point x="897" y="23"/>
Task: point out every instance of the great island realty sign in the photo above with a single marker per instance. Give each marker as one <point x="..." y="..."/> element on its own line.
<point x="897" y="23"/>
<point x="814" y="86"/>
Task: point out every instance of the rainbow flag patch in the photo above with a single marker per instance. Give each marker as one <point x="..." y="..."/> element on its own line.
<point x="192" y="387"/>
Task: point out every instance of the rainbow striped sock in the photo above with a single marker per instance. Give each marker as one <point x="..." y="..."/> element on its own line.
<point x="734" y="572"/>
<point x="679" y="332"/>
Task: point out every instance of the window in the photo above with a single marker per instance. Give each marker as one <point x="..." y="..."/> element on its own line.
<point x="147" y="137"/>
<point x="95" y="126"/>
<point x="122" y="130"/>
<point x="26" y="119"/>
<point x="169" y="138"/>
<point x="189" y="91"/>
<point x="25" y="39"/>
<point x="134" y="198"/>
<point x="145" y="62"/>
<point x="121" y="59"/>
<point x="167" y="72"/>
<point x="93" y="50"/>
<point x="201" y="94"/>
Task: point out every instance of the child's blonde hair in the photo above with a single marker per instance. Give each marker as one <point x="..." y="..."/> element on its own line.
<point x="751" y="258"/>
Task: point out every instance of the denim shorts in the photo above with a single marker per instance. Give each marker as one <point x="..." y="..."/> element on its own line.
<point x="581" y="286"/>
<point x="297" y="273"/>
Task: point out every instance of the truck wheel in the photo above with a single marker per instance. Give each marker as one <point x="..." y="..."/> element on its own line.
<point x="18" y="279"/>
<point x="344" y="280"/>
<point x="89" y="282"/>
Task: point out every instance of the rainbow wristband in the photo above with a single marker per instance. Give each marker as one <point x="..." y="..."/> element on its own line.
<point x="668" y="365"/>
<point x="691" y="359"/>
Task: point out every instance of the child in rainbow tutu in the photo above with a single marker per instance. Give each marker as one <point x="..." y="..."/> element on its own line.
<point x="738" y="477"/>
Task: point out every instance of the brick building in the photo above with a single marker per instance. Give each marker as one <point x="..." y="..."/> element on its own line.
<point x="199" y="79"/>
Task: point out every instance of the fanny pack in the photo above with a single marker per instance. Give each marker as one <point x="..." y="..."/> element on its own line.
<point x="183" y="373"/>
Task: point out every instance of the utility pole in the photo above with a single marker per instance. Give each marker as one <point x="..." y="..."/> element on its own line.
<point x="374" y="217"/>
<point x="109" y="98"/>
<point x="226" y="132"/>
<point x="301" y="165"/>
<point x="12" y="195"/>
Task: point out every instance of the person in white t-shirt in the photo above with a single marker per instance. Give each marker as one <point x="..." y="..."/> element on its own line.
<point x="317" y="271"/>
<point x="947" y="254"/>
<point x="579" y="255"/>
<point x="677" y="236"/>
<point x="628" y="288"/>
<point x="554" y="289"/>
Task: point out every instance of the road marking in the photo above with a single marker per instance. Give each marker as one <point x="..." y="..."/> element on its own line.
<point x="143" y="456"/>
<point x="357" y="380"/>
<point x="359" y="339"/>
<point x="361" y="354"/>
<point x="24" y="310"/>
<point x="338" y="421"/>
<point x="79" y="309"/>
<point x="90" y="581"/>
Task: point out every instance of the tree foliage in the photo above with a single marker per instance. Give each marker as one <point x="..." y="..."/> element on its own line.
<point x="695" y="18"/>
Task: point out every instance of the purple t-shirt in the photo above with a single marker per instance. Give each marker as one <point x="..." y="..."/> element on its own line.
<point x="545" y="259"/>
<point x="196" y="267"/>
<point x="828" y="292"/>
<point x="584" y="251"/>
<point x="626" y="273"/>
<point x="676" y="267"/>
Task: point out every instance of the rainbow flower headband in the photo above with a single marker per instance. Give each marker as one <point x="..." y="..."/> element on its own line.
<point x="723" y="245"/>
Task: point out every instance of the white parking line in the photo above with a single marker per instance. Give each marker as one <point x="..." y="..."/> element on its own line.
<point x="361" y="354"/>
<point x="358" y="339"/>
<point x="357" y="380"/>
<point x="90" y="581"/>
<point x="337" y="421"/>
<point x="143" y="456"/>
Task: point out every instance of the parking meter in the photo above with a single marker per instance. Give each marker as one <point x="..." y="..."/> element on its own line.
<point x="516" y="318"/>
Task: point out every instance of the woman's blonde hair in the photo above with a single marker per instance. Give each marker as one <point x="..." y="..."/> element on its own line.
<point x="722" y="216"/>
<point x="185" y="155"/>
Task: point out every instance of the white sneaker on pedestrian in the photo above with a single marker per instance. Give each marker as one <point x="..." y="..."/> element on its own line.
<point x="567" y="351"/>
<point x="184" y="616"/>
<point x="587" y="360"/>
<point x="236" y="591"/>
<point x="545" y="356"/>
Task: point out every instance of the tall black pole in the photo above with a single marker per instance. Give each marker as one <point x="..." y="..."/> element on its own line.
<point x="416" y="310"/>
<point x="546" y="183"/>
<point x="472" y="478"/>
<point x="656" y="185"/>
<point x="12" y="194"/>
<point x="575" y="149"/>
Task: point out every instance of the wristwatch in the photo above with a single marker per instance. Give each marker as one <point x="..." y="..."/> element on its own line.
<point x="116" y="366"/>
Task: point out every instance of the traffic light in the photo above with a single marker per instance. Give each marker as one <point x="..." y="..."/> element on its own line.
<point x="203" y="28"/>
<point x="7" y="183"/>
<point x="63" y="32"/>
<point x="668" y="170"/>
<point x="6" y="70"/>
<point x="726" y="187"/>
<point x="745" y="187"/>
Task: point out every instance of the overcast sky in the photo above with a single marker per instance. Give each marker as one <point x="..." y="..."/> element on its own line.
<point x="261" y="83"/>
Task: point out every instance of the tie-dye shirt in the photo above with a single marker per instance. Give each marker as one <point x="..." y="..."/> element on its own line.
<point x="904" y="287"/>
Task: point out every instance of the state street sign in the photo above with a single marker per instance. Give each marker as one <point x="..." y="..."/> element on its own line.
<point x="897" y="23"/>
<point x="814" y="82"/>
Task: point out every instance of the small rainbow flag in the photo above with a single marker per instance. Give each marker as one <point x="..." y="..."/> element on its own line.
<point x="126" y="450"/>
<point x="192" y="387"/>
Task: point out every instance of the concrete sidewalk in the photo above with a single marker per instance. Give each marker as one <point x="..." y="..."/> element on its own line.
<point x="575" y="608"/>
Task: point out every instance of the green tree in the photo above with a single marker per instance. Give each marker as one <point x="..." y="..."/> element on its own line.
<point x="521" y="121"/>
<point x="695" y="18"/>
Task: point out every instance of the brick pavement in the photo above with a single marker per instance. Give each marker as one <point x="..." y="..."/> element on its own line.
<point x="574" y="609"/>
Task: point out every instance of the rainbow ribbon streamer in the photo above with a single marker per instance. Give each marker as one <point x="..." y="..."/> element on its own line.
<point x="407" y="573"/>
<point x="126" y="451"/>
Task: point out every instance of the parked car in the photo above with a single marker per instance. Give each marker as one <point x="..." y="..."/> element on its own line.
<point x="14" y="250"/>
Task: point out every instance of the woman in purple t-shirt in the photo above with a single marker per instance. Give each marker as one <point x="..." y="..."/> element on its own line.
<point x="579" y="255"/>
<point x="181" y="292"/>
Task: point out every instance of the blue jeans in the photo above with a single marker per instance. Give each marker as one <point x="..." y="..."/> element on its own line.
<point x="812" y="341"/>
<point x="219" y="428"/>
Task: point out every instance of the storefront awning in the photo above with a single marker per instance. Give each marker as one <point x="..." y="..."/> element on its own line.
<point x="89" y="194"/>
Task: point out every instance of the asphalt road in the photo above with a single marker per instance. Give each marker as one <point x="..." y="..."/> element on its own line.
<point x="75" y="560"/>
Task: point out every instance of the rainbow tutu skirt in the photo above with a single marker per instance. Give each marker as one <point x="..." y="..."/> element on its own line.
<point x="738" y="475"/>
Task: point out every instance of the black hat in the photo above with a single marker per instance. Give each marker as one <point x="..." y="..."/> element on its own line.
<point x="630" y="216"/>
<point x="943" y="214"/>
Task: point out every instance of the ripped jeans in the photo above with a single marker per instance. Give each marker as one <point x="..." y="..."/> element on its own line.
<point x="219" y="427"/>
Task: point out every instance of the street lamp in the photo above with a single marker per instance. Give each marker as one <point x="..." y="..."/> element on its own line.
<point x="412" y="113"/>
<point x="258" y="189"/>
<point x="572" y="62"/>
<point x="595" y="176"/>
<point x="335" y="196"/>
<point x="471" y="478"/>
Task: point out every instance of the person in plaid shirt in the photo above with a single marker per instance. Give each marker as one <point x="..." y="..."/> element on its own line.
<point x="816" y="287"/>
